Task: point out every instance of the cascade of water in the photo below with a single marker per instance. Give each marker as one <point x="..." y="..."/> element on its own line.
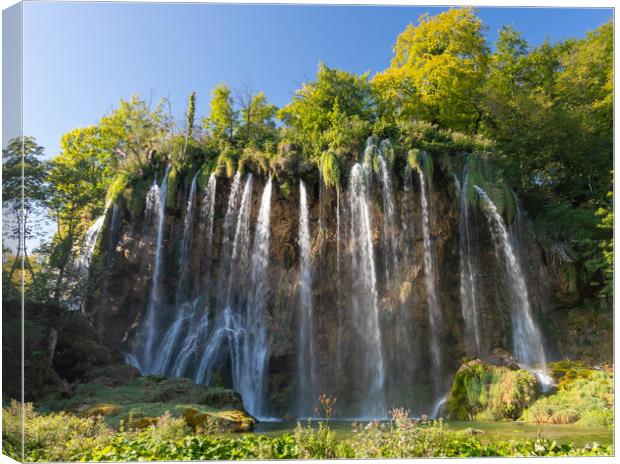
<point x="467" y="270"/>
<point x="406" y="213"/>
<point x="434" y="313"/>
<point x="526" y="338"/>
<point x="337" y="228"/>
<point x="208" y="208"/>
<point x="186" y="240"/>
<point x="114" y="223"/>
<point x="363" y="294"/>
<point x="390" y="248"/>
<point x="155" y="204"/>
<point x="228" y="235"/>
<point x="88" y="244"/>
<point x="183" y="314"/>
<point x="198" y="317"/>
<point x="438" y="406"/>
<point x="306" y="362"/>
<point x="229" y="326"/>
<point x="81" y="265"/>
<point x="254" y="346"/>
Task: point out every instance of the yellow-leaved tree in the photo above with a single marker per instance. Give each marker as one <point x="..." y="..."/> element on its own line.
<point x="437" y="71"/>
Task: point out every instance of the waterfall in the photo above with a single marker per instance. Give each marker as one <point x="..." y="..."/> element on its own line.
<point x="390" y="249"/>
<point x="254" y="347"/>
<point x="526" y="338"/>
<point x="406" y="213"/>
<point x="155" y="204"/>
<point x="467" y="271"/>
<point x="186" y="310"/>
<point x="81" y="265"/>
<point x="186" y="240"/>
<point x="208" y="209"/>
<point x="363" y="294"/>
<point x="306" y="361"/>
<point x="88" y="245"/>
<point x="434" y="313"/>
<point x="234" y="262"/>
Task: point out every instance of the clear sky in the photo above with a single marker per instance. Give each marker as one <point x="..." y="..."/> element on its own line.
<point x="80" y="59"/>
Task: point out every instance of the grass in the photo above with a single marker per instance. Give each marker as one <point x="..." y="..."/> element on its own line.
<point x="144" y="399"/>
<point x="67" y="437"/>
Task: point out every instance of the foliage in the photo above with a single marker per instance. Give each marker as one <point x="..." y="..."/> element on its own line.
<point x="24" y="196"/>
<point x="68" y="437"/>
<point x="55" y="437"/>
<point x="438" y="69"/>
<point x="329" y="112"/>
<point x="585" y="396"/>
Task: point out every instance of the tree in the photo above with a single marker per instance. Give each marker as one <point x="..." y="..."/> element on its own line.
<point x="311" y="113"/>
<point x="222" y="121"/>
<point x="438" y="70"/>
<point x="79" y="177"/>
<point x="137" y="131"/>
<point x="257" y="119"/>
<point x="24" y="193"/>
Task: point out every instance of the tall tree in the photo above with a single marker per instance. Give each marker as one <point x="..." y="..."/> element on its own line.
<point x="24" y="193"/>
<point x="438" y="70"/>
<point x="222" y="121"/>
<point x="310" y="113"/>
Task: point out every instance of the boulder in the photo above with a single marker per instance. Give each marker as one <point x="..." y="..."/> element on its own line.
<point x="225" y="421"/>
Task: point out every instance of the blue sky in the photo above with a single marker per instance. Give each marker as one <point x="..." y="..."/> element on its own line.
<point x="80" y="59"/>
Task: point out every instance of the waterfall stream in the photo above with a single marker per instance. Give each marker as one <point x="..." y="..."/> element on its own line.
<point x="434" y="313"/>
<point x="467" y="269"/>
<point x="526" y="338"/>
<point x="390" y="248"/>
<point x="363" y="294"/>
<point x="155" y="205"/>
<point x="284" y="299"/>
<point x="183" y="315"/>
<point x="254" y="348"/>
<point x="306" y="361"/>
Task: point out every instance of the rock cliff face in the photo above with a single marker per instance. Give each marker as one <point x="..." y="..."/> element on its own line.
<point x="344" y="341"/>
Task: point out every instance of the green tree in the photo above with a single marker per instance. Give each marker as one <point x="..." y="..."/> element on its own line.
<point x="335" y="96"/>
<point x="24" y="193"/>
<point x="137" y="132"/>
<point x="257" y="119"/>
<point x="438" y="70"/>
<point x="222" y="121"/>
<point x="79" y="177"/>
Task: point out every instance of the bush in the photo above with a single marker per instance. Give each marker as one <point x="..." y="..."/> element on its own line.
<point x="54" y="437"/>
<point x="584" y="396"/>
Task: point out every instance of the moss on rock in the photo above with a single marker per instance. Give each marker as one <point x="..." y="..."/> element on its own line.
<point x="483" y="391"/>
<point x="585" y="396"/>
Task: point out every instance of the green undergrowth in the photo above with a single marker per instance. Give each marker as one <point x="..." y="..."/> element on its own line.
<point x="144" y="399"/>
<point x="68" y="437"/>
<point x="584" y="396"/>
<point x="481" y="391"/>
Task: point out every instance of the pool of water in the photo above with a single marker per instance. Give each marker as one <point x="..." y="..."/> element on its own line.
<point x="568" y="433"/>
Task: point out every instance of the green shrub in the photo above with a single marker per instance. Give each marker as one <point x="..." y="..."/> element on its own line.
<point x="54" y="437"/>
<point x="584" y="396"/>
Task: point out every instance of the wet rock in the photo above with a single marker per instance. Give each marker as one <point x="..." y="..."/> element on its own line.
<point x="226" y="421"/>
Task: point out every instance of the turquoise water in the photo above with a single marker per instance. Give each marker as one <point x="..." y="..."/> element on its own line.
<point x="564" y="433"/>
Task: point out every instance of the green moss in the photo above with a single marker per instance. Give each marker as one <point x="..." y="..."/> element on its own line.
<point x="117" y="187"/>
<point x="171" y="191"/>
<point x="481" y="391"/>
<point x="584" y="396"/>
<point x="330" y="168"/>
